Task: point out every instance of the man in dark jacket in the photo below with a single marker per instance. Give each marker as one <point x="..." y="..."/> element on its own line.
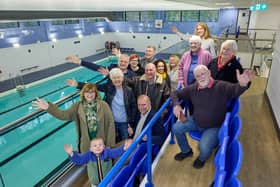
<point x="145" y="115"/>
<point x="152" y="85"/>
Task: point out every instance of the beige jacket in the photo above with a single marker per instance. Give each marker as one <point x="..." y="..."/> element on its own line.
<point x="106" y="126"/>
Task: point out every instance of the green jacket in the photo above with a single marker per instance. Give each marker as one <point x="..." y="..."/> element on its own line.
<point x="106" y="126"/>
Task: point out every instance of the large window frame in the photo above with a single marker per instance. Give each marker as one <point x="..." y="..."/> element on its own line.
<point x="147" y="16"/>
<point x="209" y="15"/>
<point x="133" y="16"/>
<point x="190" y="15"/>
<point x="172" y="16"/>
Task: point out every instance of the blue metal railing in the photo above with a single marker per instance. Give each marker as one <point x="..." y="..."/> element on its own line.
<point x="147" y="130"/>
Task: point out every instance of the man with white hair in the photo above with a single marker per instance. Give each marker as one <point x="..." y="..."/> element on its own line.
<point x="190" y="59"/>
<point x="209" y="98"/>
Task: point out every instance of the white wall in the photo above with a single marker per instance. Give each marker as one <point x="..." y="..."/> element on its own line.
<point x="45" y="54"/>
<point x="267" y="19"/>
<point x="48" y="54"/>
<point x="273" y="85"/>
<point x="141" y="41"/>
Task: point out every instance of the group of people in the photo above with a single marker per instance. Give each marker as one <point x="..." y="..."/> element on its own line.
<point x="208" y="82"/>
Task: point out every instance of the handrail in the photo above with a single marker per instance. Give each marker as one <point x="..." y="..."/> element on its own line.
<point x="19" y="122"/>
<point x="246" y="39"/>
<point x="263" y="29"/>
<point x="123" y="158"/>
<point x="170" y="46"/>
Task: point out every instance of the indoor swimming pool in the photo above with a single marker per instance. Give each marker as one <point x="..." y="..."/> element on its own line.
<point x="34" y="149"/>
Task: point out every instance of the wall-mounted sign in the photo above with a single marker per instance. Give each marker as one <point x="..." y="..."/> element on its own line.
<point x="158" y="23"/>
<point x="259" y="6"/>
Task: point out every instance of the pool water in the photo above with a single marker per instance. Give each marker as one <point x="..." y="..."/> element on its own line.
<point x="36" y="159"/>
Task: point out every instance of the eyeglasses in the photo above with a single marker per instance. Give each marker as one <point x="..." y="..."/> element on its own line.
<point x="203" y="74"/>
<point x="90" y="92"/>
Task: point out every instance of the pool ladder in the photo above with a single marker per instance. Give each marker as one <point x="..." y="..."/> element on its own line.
<point x="19" y="85"/>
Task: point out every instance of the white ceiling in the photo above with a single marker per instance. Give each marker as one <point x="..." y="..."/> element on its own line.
<point x="121" y="5"/>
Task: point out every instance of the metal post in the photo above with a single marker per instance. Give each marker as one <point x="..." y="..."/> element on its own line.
<point x="149" y="159"/>
<point x="254" y="50"/>
<point x="172" y="123"/>
<point x="273" y="40"/>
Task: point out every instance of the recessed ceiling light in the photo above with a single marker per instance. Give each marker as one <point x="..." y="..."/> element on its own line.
<point x="16" y="45"/>
<point x="223" y="4"/>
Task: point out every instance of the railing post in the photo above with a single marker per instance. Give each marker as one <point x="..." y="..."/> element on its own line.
<point x="172" y="122"/>
<point x="149" y="159"/>
<point x="254" y="50"/>
<point x="273" y="40"/>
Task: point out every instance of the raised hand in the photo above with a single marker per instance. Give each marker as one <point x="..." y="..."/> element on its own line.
<point x="68" y="149"/>
<point x="145" y="138"/>
<point x="103" y="71"/>
<point x="245" y="77"/>
<point x="40" y="104"/>
<point x="71" y="82"/>
<point x="73" y="59"/>
<point x="177" y="110"/>
<point x="174" y="29"/>
<point x="127" y="143"/>
<point x="130" y="130"/>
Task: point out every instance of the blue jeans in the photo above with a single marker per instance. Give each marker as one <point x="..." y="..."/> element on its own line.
<point x="121" y="131"/>
<point x="209" y="139"/>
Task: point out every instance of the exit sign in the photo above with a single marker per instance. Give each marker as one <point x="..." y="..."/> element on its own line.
<point x="259" y="6"/>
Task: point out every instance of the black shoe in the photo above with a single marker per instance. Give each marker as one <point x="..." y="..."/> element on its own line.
<point x="198" y="163"/>
<point x="181" y="156"/>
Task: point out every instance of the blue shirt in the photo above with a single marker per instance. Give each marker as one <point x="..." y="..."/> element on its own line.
<point x="86" y="157"/>
<point x="118" y="108"/>
<point x="193" y="64"/>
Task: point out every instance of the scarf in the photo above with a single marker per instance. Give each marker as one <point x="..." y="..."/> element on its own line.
<point x="92" y="123"/>
<point x="163" y="75"/>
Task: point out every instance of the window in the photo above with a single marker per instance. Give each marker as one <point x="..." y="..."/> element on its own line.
<point x="57" y="22"/>
<point x="190" y="15"/>
<point x="132" y="16"/>
<point x="209" y="15"/>
<point x="148" y="16"/>
<point x="6" y="25"/>
<point x="97" y="19"/>
<point x="172" y="16"/>
<point x="30" y="24"/>
<point x="72" y="21"/>
<point x="116" y="16"/>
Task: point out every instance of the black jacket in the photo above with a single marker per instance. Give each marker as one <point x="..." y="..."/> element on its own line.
<point x="157" y="129"/>
<point x="227" y="72"/>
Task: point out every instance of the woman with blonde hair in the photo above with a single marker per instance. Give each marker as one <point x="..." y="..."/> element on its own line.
<point x="172" y="70"/>
<point x="201" y="30"/>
